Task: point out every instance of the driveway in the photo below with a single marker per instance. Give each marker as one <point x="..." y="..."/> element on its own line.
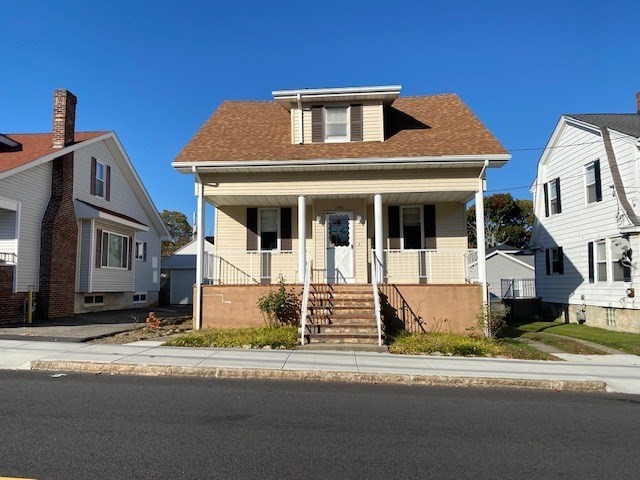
<point x="89" y="326"/>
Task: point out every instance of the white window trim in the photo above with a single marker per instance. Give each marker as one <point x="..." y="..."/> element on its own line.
<point x="93" y="296"/>
<point x="555" y="185"/>
<point x="260" y="210"/>
<point x="587" y="185"/>
<point x="102" y="250"/>
<point x="344" y="139"/>
<point x="140" y="293"/>
<point x="551" y="250"/>
<point x="420" y="209"/>
<point x="606" y="261"/>
<point x="103" y="179"/>
<point x="141" y="257"/>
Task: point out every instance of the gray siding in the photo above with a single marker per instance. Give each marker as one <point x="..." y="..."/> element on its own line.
<point x="499" y="267"/>
<point x="111" y="279"/>
<point x="32" y="190"/>
<point x="124" y="199"/>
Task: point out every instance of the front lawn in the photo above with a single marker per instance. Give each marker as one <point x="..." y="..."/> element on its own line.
<point x="252" y="337"/>
<point x="625" y="342"/>
<point x="462" y="345"/>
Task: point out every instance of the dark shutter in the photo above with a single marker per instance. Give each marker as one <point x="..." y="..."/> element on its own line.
<point x="596" y="171"/>
<point x="430" y="227"/>
<point x="252" y="229"/>
<point x="546" y="199"/>
<point x="144" y="251"/>
<point x="129" y="253"/>
<point x="317" y="124"/>
<point x="94" y="166"/>
<point x="285" y="229"/>
<point x="394" y="227"/>
<point x="356" y="123"/>
<point x="558" y="194"/>
<point x="107" y="184"/>
<point x="547" y="253"/>
<point x="560" y="261"/>
<point x="98" y="262"/>
<point x="591" y="265"/>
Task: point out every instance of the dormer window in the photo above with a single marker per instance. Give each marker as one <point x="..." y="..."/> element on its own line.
<point x="336" y="121"/>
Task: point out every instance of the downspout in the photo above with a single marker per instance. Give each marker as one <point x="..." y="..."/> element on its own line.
<point x="197" y="308"/>
<point x="299" y="99"/>
<point x="617" y="178"/>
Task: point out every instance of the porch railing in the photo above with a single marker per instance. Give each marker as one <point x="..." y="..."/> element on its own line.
<point x="376" y="276"/>
<point x="427" y="266"/>
<point x="242" y="267"/>
<point x="8" y="258"/>
<point x="518" y="287"/>
<point x="305" y="299"/>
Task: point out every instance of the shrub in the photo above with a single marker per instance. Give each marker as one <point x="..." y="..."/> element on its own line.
<point x="279" y="306"/>
<point x="444" y="343"/>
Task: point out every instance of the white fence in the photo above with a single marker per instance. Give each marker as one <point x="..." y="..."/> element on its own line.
<point x="518" y="287"/>
<point x="241" y="267"/>
<point x="7" y="258"/>
<point x="427" y="266"/>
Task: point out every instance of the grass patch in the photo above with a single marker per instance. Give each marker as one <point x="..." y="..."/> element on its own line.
<point x="462" y="345"/>
<point x="625" y="342"/>
<point x="257" y="337"/>
<point x="565" y="344"/>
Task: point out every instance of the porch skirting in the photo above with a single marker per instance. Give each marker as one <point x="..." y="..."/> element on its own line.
<point x="417" y="308"/>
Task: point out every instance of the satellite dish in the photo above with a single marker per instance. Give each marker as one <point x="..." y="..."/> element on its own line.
<point x="620" y="246"/>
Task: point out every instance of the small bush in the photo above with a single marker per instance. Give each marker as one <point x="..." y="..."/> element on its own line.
<point x="280" y="307"/>
<point x="444" y="343"/>
<point x="256" y="337"/>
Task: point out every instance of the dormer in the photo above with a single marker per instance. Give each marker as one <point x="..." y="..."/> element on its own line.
<point x="337" y="115"/>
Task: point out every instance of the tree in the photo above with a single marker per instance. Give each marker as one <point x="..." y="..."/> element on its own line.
<point x="179" y="228"/>
<point x="507" y="221"/>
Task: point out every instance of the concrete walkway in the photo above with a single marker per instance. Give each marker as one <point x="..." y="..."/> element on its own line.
<point x="621" y="373"/>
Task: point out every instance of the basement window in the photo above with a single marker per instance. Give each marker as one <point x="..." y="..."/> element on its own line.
<point x="139" y="297"/>
<point x="94" y="299"/>
<point x="610" y="316"/>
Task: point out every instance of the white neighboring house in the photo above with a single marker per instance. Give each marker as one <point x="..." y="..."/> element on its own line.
<point x="587" y="200"/>
<point x="76" y="224"/>
<point x="179" y="272"/>
<point x="510" y="272"/>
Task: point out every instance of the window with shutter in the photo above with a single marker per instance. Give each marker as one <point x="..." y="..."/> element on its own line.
<point x="593" y="183"/>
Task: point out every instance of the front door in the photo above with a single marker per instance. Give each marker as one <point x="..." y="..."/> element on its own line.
<point x="339" y="242"/>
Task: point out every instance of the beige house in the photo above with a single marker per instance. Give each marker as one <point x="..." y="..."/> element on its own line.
<point x="355" y="196"/>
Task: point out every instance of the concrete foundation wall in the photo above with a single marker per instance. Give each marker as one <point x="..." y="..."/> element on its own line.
<point x="620" y="319"/>
<point x="114" y="301"/>
<point x="235" y="305"/>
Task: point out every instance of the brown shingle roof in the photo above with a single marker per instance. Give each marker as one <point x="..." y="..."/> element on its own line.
<point x="33" y="146"/>
<point x="432" y="125"/>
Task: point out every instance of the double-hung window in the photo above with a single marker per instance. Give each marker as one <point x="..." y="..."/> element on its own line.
<point x="554" y="260"/>
<point x="100" y="179"/>
<point x="336" y="123"/>
<point x="601" y="261"/>
<point x="411" y="228"/>
<point x="593" y="182"/>
<point x="553" y="197"/>
<point x="268" y="228"/>
<point x="115" y="252"/>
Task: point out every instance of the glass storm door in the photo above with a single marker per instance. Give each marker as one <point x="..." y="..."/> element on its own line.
<point x="339" y="241"/>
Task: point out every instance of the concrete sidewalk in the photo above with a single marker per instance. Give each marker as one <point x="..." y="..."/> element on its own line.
<point x="621" y="373"/>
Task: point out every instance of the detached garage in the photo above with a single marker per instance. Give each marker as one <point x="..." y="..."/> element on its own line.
<point x="179" y="273"/>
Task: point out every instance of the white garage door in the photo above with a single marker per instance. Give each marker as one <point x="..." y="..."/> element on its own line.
<point x="182" y="286"/>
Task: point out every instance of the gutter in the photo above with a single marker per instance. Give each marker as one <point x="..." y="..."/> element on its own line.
<point x="299" y="98"/>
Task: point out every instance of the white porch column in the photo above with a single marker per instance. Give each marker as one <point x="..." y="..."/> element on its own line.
<point x="377" y="225"/>
<point x="480" y="240"/>
<point x="302" y="237"/>
<point x="197" y="304"/>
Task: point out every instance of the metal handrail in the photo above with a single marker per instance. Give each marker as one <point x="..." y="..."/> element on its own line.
<point x="8" y="258"/>
<point x="376" y="269"/>
<point x="305" y="299"/>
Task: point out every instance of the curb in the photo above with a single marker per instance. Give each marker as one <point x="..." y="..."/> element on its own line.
<point x="318" y="376"/>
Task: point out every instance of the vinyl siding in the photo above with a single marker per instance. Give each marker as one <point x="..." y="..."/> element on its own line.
<point x="580" y="223"/>
<point x="499" y="267"/>
<point x="32" y="189"/>
<point x="124" y="199"/>
<point x="372" y="122"/>
<point x="111" y="279"/>
<point x="343" y="183"/>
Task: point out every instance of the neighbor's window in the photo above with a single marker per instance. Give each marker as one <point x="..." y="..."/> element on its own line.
<point x="269" y="229"/>
<point x="620" y="273"/>
<point x="336" y="122"/>
<point x="593" y="179"/>
<point x="100" y="179"/>
<point x="94" y="299"/>
<point x="553" y="197"/>
<point x="139" y="297"/>
<point x="601" y="261"/>
<point x="411" y="228"/>
<point x="114" y="250"/>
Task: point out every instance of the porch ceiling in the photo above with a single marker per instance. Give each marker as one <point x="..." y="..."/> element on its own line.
<point x="291" y="200"/>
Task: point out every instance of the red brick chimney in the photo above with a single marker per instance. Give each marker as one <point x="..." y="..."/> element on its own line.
<point x="638" y="102"/>
<point x="64" y="118"/>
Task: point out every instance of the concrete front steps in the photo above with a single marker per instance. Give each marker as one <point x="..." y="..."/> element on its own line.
<point x="341" y="315"/>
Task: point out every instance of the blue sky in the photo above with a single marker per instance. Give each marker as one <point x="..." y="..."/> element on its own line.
<point x="155" y="71"/>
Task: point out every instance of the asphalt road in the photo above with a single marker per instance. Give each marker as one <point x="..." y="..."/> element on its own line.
<point x="96" y="426"/>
